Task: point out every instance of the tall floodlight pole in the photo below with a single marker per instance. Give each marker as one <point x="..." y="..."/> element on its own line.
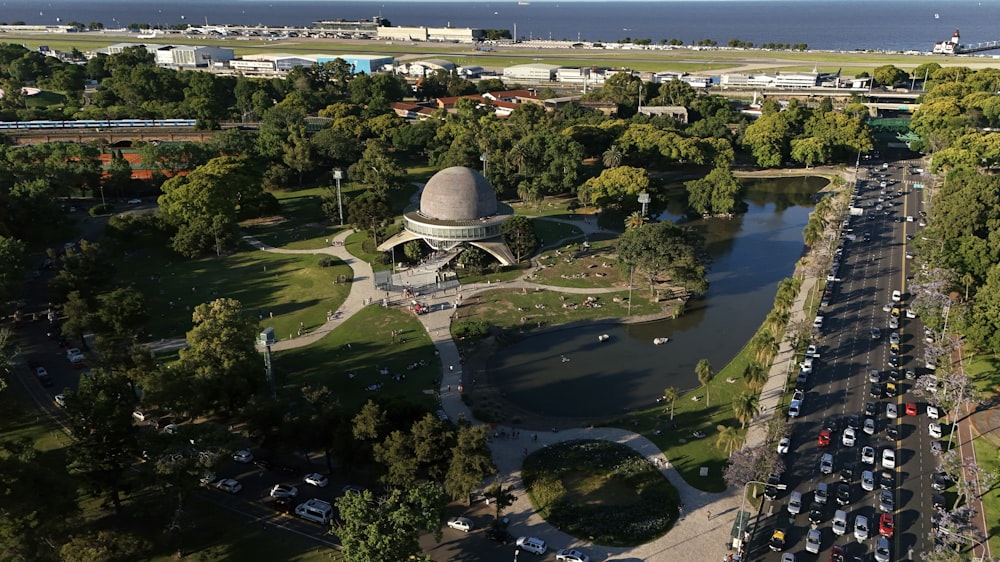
<point x="644" y="199"/>
<point x="484" y="159"/>
<point x="338" y="175"/>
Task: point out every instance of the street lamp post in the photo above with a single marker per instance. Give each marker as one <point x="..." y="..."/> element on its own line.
<point x="338" y="175"/>
<point x="484" y="158"/>
<point x="630" y="277"/>
<point x="739" y="514"/>
<point x="103" y="202"/>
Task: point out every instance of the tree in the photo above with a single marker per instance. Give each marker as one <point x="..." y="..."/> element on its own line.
<point x="612" y="157"/>
<point x="105" y="546"/>
<point x="663" y="251"/>
<point x="745" y="407"/>
<point x="752" y="464"/>
<point x="888" y="75"/>
<point x="389" y="528"/>
<point x="635" y="220"/>
<point x="755" y="375"/>
<point x="519" y="234"/>
<point x="395" y="453"/>
<point x="729" y="439"/>
<point x="471" y="462"/>
<point x="368" y="212"/>
<point x="501" y="498"/>
<point x="369" y="423"/>
<point x="705" y="375"/>
<point x="221" y="357"/>
<point x="297" y="154"/>
<point x="718" y="192"/>
<point x="613" y="185"/>
<point x="767" y="139"/>
<point x="377" y="169"/>
<point x="12" y="268"/>
<point x="105" y="446"/>
<point x="671" y="394"/>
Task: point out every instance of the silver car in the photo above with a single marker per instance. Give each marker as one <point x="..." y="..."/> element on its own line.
<point x="813" y="540"/>
<point x="883" y="552"/>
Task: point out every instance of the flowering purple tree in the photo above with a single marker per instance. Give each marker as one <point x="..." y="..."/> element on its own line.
<point x="971" y="480"/>
<point x="752" y="463"/>
<point x="955" y="529"/>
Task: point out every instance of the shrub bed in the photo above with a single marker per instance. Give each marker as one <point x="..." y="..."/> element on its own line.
<point x="600" y="491"/>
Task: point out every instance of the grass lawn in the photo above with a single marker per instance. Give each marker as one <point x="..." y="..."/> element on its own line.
<point x="301" y="225"/>
<point x="551" y="232"/>
<point x="600" y="491"/>
<point x="362" y="345"/>
<point x="573" y="265"/>
<point x="291" y="287"/>
<point x="986" y="455"/>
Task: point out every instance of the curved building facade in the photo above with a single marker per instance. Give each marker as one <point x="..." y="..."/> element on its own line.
<point x="457" y="206"/>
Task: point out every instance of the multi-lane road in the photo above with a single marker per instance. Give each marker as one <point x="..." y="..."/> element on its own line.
<point x="872" y="264"/>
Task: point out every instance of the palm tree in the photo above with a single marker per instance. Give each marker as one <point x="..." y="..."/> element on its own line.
<point x="968" y="279"/>
<point x="775" y="321"/>
<point x="704" y="371"/>
<point x="635" y="220"/>
<point x="613" y="156"/>
<point x="729" y="439"/>
<point x="671" y="394"/>
<point x="755" y="374"/>
<point x="746" y="406"/>
<point x="765" y="346"/>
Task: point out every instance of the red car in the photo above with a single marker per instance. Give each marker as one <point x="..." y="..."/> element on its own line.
<point x="824" y="438"/>
<point x="885" y="526"/>
<point x="837" y="554"/>
<point x="911" y="409"/>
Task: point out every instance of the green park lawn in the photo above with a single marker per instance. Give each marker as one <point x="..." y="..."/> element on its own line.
<point x="984" y="370"/>
<point x="361" y="345"/>
<point x="283" y="289"/>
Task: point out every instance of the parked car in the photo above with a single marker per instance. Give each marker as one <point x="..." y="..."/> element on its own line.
<point x="461" y="524"/>
<point x="60" y="400"/>
<point x="813" y="539"/>
<point x="571" y="555"/>
<point x="283" y="491"/>
<point x="939" y="481"/>
<point x="532" y="545"/>
<point x="933" y="412"/>
<point x="777" y="542"/>
<point x="795" y="503"/>
<point x="869" y="426"/>
<point x="229" y="485"/>
<point x="843" y="493"/>
<point x="816" y="513"/>
<point x="784" y="445"/>
<point x="868" y="455"/>
<point x="886" y="501"/>
<point x="886" y="480"/>
<point x="848" y="437"/>
<point x="840" y="522"/>
<point x="883" y="552"/>
<point x="888" y="458"/>
<point x="861" y="528"/>
<point x="886" y="525"/>
<point x="244" y="456"/>
<point x="826" y="464"/>
<point x="890" y="410"/>
<point x="822" y="493"/>
<point x="867" y="481"/>
<point x="316" y="479"/>
<point x="934" y="429"/>
<point x="499" y="535"/>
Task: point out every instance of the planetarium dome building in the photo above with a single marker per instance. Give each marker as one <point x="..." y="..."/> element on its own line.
<point x="457" y="206"/>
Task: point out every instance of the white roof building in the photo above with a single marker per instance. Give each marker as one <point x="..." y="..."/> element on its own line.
<point x="537" y="72"/>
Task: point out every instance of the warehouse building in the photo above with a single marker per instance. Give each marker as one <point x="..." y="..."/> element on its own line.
<point x="536" y="72"/>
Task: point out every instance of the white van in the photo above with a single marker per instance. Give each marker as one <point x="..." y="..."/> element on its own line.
<point x="317" y="511"/>
<point x="795" y="503"/>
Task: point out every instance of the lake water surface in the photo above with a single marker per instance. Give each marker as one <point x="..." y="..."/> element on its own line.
<point x="750" y="255"/>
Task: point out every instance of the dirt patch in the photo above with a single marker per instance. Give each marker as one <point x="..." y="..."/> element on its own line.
<point x="265" y="221"/>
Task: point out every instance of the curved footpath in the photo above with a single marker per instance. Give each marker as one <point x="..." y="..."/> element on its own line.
<point x="705" y="532"/>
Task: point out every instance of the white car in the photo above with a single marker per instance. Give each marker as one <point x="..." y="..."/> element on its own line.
<point x="867" y="481"/>
<point x="869" y="426"/>
<point x="135" y="201"/>
<point x="463" y="524"/>
<point x="888" y="458"/>
<point x="813" y="540"/>
<point x="571" y="555"/>
<point x="283" y="491"/>
<point x="897" y="296"/>
<point x="894" y="338"/>
<point x="826" y="464"/>
<point x="61" y="401"/>
<point x="861" y="528"/>
<point x="229" y="485"/>
<point x="787" y="557"/>
<point x="840" y="522"/>
<point x="784" y="445"/>
<point x="933" y="412"/>
<point x="244" y="456"/>
<point x="316" y="479"/>
<point x="848" y="437"/>
<point x="818" y="322"/>
<point x="910" y="313"/>
<point x="888" y="307"/>
<point x="890" y="411"/>
<point x="807" y="365"/>
<point x="893" y="323"/>
<point x="532" y="545"/>
<point x="868" y="455"/>
<point x="934" y="429"/>
<point x="812" y="351"/>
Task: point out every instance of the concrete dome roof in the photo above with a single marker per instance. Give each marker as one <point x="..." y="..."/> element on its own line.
<point x="458" y="194"/>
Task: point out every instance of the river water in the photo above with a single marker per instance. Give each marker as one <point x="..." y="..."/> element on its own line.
<point x="569" y="373"/>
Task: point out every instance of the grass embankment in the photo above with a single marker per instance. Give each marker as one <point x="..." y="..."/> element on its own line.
<point x="600" y="491"/>
<point x="984" y="371"/>
<point x="363" y="345"/>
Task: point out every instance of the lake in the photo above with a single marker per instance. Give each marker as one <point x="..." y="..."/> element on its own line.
<point x="569" y="373"/>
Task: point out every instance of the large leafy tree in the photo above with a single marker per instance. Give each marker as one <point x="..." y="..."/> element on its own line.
<point x="369" y="212"/>
<point x="718" y="192"/>
<point x="389" y="527"/>
<point x="105" y="446"/>
<point x="377" y="169"/>
<point x="663" y="252"/>
<point x="220" y="357"/>
<point x="520" y="236"/>
<point x="471" y="462"/>
<point x="614" y="184"/>
<point x="768" y="140"/>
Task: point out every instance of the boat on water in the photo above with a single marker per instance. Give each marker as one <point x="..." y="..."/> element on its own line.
<point x="660" y="341"/>
<point x="524" y="3"/>
<point x="603" y="337"/>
